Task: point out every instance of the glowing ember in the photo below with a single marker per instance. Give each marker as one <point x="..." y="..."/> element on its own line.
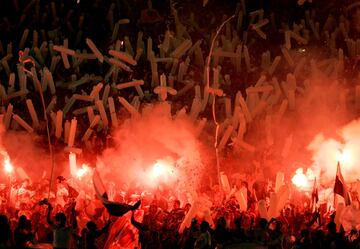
<point x="7" y="166"/>
<point x="344" y="157"/>
<point x="301" y="180"/>
<point x="158" y="170"/>
<point x="82" y="171"/>
<point x="162" y="170"/>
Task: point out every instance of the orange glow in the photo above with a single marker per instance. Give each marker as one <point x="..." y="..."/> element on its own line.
<point x="344" y="157"/>
<point x="82" y="171"/>
<point x="8" y="167"/>
<point x="301" y="180"/>
<point x="161" y="169"/>
<point x="158" y="170"/>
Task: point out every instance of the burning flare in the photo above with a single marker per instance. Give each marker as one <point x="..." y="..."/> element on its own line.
<point x="303" y="181"/>
<point x="8" y="167"/>
<point x="162" y="169"/>
<point x="82" y="171"/>
<point x="344" y="157"/>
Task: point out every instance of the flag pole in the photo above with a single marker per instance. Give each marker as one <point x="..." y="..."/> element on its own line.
<point x="336" y="175"/>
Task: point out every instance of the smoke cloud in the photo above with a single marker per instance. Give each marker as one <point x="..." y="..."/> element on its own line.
<point x="327" y="151"/>
<point x="155" y="138"/>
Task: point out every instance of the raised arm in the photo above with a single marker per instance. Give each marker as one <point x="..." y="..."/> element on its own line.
<point x="137" y="224"/>
<point x="73" y="216"/>
<point x="103" y="230"/>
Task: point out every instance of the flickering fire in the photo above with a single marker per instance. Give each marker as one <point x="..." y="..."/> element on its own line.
<point x="158" y="170"/>
<point x="344" y="157"/>
<point x="82" y="171"/>
<point x="161" y="170"/>
<point x="301" y="180"/>
<point x="8" y="167"/>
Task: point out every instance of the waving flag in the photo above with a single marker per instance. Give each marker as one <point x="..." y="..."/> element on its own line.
<point x="340" y="186"/>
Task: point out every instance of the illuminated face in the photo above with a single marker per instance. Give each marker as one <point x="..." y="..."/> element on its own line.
<point x="176" y="205"/>
<point x="187" y="207"/>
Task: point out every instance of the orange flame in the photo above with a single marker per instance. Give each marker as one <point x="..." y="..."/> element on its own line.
<point x="344" y="157"/>
<point x="82" y="171"/>
<point x="302" y="180"/>
<point x="8" y="167"/>
<point x="162" y="171"/>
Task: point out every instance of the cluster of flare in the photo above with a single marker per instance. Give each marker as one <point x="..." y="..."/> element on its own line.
<point x="161" y="171"/>
<point x="327" y="152"/>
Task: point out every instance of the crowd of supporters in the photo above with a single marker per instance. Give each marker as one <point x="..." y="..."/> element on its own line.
<point x="70" y="219"/>
<point x="31" y="220"/>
